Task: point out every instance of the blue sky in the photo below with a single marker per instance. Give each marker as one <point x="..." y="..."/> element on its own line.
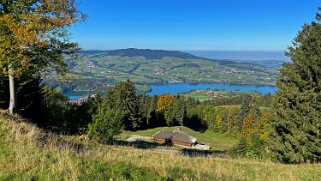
<point x="265" y="25"/>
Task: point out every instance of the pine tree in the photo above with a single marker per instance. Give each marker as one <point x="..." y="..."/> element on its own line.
<point x="152" y="119"/>
<point x="245" y="109"/>
<point x="30" y="97"/>
<point x="106" y="124"/>
<point x="127" y="101"/>
<point x="296" y="122"/>
<point x="179" y="110"/>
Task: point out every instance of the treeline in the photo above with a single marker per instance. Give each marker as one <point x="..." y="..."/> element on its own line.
<point x="121" y="107"/>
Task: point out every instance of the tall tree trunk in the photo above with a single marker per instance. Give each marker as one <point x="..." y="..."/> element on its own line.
<point x="12" y="91"/>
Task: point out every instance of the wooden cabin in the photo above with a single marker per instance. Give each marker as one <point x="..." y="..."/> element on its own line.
<point x="175" y="137"/>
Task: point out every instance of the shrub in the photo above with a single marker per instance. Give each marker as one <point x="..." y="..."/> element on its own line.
<point x="106" y="124"/>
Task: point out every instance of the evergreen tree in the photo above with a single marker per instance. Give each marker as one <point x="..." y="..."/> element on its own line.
<point x="152" y="120"/>
<point x="30" y="97"/>
<point x="143" y="104"/>
<point x="110" y="98"/>
<point x="296" y="121"/>
<point x="179" y="110"/>
<point x="245" y="109"/>
<point x="106" y="124"/>
<point x="127" y="102"/>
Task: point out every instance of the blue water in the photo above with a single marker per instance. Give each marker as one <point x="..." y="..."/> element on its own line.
<point x="176" y="88"/>
<point x="74" y="97"/>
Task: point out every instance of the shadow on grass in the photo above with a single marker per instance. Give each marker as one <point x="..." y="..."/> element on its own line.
<point x="53" y="140"/>
<point x="202" y="153"/>
<point x="141" y="144"/>
<point x="185" y="151"/>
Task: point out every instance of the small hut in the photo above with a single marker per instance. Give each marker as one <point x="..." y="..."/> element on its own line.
<point x="176" y="137"/>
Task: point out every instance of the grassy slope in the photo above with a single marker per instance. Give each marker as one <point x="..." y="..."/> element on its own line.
<point x="197" y="96"/>
<point x="217" y="141"/>
<point x="26" y="153"/>
<point x="206" y="94"/>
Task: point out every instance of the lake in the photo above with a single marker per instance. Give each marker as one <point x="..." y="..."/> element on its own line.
<point x="176" y="88"/>
<point x="74" y="97"/>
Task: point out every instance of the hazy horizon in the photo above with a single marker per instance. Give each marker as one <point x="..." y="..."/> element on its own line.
<point x="242" y="55"/>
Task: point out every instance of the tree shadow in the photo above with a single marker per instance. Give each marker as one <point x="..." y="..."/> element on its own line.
<point x="202" y="153"/>
<point x="141" y="144"/>
<point x="195" y="123"/>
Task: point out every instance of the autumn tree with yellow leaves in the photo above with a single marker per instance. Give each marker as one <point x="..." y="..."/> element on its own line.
<point x="164" y="106"/>
<point x="33" y="36"/>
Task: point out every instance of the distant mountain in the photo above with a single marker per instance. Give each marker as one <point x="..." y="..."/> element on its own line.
<point x="159" y="54"/>
<point x="147" y="53"/>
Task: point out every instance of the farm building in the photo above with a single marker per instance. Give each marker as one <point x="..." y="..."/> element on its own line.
<point x="176" y="137"/>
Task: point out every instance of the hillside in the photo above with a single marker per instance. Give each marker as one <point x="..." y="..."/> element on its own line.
<point x="217" y="142"/>
<point x="27" y="153"/>
<point x="95" y="70"/>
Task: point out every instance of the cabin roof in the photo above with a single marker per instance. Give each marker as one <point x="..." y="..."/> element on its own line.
<point x="176" y="136"/>
<point x="163" y="134"/>
<point x="180" y="136"/>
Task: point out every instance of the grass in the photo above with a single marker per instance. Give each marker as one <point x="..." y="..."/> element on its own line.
<point x="27" y="153"/>
<point x="197" y="96"/>
<point x="204" y="95"/>
<point x="217" y="141"/>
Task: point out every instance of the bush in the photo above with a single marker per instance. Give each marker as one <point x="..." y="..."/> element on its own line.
<point x="106" y="124"/>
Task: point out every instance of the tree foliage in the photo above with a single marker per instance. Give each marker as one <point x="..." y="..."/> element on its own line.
<point x="296" y="122"/>
<point x="64" y="117"/>
<point x="106" y="124"/>
<point x="254" y="133"/>
<point x="127" y="101"/>
<point x="150" y="117"/>
<point x="33" y="34"/>
<point x="164" y="102"/>
<point x="179" y="110"/>
<point x="123" y="97"/>
<point x="165" y="107"/>
<point x="30" y="95"/>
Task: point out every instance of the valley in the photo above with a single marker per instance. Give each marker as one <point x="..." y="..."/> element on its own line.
<point x="96" y="70"/>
